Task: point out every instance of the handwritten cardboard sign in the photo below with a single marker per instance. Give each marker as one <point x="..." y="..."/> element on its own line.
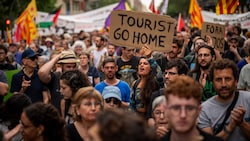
<point x="216" y="32"/>
<point x="134" y="29"/>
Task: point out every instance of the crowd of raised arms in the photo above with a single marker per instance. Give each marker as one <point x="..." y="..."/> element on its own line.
<point x="81" y="87"/>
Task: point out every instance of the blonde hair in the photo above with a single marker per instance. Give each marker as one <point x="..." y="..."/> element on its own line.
<point x="85" y="93"/>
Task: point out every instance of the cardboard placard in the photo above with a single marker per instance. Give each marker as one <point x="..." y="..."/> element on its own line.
<point x="216" y="32"/>
<point x="134" y="29"/>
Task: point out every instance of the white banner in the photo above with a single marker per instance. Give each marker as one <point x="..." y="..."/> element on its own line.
<point x="243" y="19"/>
<point x="87" y="21"/>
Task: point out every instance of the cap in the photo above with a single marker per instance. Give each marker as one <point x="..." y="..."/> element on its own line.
<point x="28" y="53"/>
<point x="48" y="39"/>
<point x="67" y="36"/>
<point x="111" y="91"/>
<point x="67" y="57"/>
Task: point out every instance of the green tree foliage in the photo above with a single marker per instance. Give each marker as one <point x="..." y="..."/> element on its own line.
<point x="11" y="9"/>
<point x="178" y="6"/>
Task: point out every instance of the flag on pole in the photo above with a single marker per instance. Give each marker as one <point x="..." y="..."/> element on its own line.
<point x="51" y="19"/>
<point x="226" y="6"/>
<point x="122" y="5"/>
<point x="181" y="23"/>
<point x="195" y="12"/>
<point x="8" y="35"/>
<point x="164" y="7"/>
<point x="26" y="28"/>
<point x="31" y="9"/>
<point x="152" y="7"/>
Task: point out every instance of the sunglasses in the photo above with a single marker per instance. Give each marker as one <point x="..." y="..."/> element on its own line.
<point x="115" y="100"/>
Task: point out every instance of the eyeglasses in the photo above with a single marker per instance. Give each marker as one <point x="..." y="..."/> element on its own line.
<point x="170" y="73"/>
<point x="2" y="53"/>
<point x="189" y="109"/>
<point x="115" y="100"/>
<point x="205" y="55"/>
<point x="91" y="104"/>
<point x="199" y="43"/>
<point x="158" y="113"/>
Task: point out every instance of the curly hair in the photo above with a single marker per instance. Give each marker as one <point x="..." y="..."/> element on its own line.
<point x="48" y="116"/>
<point x="224" y="64"/>
<point x="186" y="87"/>
<point x="11" y="110"/>
<point x="75" y="79"/>
<point x="120" y="125"/>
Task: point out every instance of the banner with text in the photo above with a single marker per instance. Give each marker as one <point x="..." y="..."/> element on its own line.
<point x="134" y="29"/>
<point x="216" y="32"/>
<point x="242" y="19"/>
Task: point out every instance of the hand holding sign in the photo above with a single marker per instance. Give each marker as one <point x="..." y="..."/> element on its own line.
<point x="146" y="50"/>
<point x="135" y="29"/>
<point x="214" y="32"/>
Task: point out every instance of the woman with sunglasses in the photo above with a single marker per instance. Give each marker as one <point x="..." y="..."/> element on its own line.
<point x="112" y="97"/>
<point x="88" y="102"/>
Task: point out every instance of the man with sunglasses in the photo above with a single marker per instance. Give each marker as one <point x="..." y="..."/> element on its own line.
<point x="112" y="97"/>
<point x="27" y="81"/>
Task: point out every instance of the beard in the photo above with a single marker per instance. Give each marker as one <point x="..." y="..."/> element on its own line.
<point x="110" y="76"/>
<point x="227" y="96"/>
<point x="205" y="67"/>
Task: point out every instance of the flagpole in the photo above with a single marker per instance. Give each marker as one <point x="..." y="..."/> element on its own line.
<point x="164" y="8"/>
<point x="179" y="19"/>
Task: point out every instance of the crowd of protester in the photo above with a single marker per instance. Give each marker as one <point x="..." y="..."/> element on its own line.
<point x="81" y="87"/>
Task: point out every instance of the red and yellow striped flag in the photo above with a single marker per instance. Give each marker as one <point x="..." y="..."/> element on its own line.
<point x="26" y="28"/>
<point x="31" y="9"/>
<point x="195" y="12"/>
<point x="226" y="6"/>
<point x="29" y="29"/>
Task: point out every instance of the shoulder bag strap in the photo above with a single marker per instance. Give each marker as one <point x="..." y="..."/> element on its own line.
<point x="229" y="109"/>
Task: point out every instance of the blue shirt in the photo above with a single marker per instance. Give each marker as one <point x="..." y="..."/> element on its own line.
<point x="122" y="85"/>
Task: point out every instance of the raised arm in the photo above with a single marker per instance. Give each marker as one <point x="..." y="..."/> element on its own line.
<point x="44" y="71"/>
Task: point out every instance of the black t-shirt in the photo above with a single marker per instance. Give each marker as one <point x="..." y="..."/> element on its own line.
<point x="54" y="87"/>
<point x="154" y="95"/>
<point x="127" y="69"/>
<point x="73" y="135"/>
<point x="7" y="66"/>
<point x="207" y="137"/>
